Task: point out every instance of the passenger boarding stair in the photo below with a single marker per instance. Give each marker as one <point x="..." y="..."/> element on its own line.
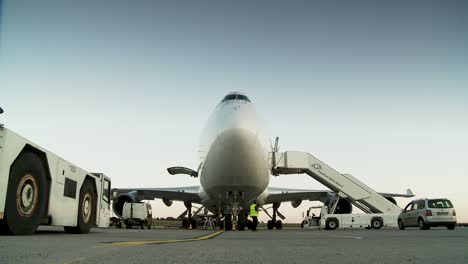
<point x="344" y="185"/>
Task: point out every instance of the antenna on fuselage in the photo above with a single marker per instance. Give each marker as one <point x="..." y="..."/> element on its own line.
<point x="1" y="112"/>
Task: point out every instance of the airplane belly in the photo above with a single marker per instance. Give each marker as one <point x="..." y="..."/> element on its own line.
<point x="236" y="162"/>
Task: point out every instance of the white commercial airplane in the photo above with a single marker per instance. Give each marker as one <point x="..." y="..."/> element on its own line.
<point x="235" y="169"/>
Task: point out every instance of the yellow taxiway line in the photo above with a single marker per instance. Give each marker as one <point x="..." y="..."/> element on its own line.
<point x="145" y="242"/>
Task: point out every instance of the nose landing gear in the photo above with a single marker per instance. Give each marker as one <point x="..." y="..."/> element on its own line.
<point x="235" y="216"/>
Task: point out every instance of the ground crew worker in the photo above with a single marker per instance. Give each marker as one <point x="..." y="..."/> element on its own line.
<point x="254" y="214"/>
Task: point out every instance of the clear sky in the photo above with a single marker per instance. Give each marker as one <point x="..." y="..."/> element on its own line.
<point x="125" y="87"/>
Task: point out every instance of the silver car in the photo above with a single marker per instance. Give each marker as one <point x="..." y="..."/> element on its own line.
<point x="424" y="213"/>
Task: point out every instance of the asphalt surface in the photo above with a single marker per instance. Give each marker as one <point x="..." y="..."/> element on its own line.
<point x="51" y="245"/>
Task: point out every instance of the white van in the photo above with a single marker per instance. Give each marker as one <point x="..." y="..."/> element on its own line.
<point x="137" y="214"/>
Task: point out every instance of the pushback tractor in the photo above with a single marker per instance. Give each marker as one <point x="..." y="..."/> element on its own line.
<point x="38" y="187"/>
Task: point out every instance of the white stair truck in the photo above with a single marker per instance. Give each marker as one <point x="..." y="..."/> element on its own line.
<point x="324" y="220"/>
<point x="378" y="210"/>
<point x="331" y="221"/>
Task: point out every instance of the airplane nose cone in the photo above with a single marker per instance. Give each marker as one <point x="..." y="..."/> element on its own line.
<point x="236" y="161"/>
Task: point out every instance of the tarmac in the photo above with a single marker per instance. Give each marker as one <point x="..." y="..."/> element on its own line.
<point x="52" y="245"/>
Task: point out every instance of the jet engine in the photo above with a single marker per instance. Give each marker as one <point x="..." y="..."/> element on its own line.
<point x="343" y="207"/>
<point x="392" y="200"/>
<point x="167" y="202"/>
<point x="296" y="203"/>
<point x="123" y="198"/>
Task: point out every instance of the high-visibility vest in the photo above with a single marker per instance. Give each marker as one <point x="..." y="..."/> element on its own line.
<point x="253" y="210"/>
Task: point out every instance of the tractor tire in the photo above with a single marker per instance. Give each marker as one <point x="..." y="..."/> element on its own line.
<point x="86" y="210"/>
<point x="27" y="196"/>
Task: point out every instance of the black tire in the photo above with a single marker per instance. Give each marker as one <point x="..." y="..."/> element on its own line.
<point x="302" y="224"/>
<point x="241" y="221"/>
<point x="194" y="224"/>
<point x="279" y="225"/>
<point x="86" y="210"/>
<point x="376" y="223"/>
<point x="119" y="225"/>
<point x="270" y="224"/>
<point x="331" y="224"/>
<point x="127" y="225"/>
<point x="422" y="225"/>
<point x="26" y="196"/>
<point x="451" y="227"/>
<point x="185" y="223"/>
<point x="401" y="225"/>
<point x="228" y="222"/>
<point x="221" y="224"/>
<point x="249" y="224"/>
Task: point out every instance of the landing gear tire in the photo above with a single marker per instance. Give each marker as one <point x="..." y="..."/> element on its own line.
<point x="331" y="224"/>
<point x="185" y="223"/>
<point x="279" y="225"/>
<point x="270" y="224"/>
<point x="228" y="222"/>
<point x="451" y="227"/>
<point x="241" y="219"/>
<point x="422" y="225"/>
<point x="86" y="210"/>
<point x="194" y="224"/>
<point x="26" y="196"/>
<point x="249" y="224"/>
<point x="376" y="223"/>
<point x="302" y="224"/>
<point x="221" y="224"/>
<point x="401" y="225"/>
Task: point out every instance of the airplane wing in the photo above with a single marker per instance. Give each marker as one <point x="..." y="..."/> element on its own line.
<point x="184" y="194"/>
<point x="408" y="194"/>
<point x="284" y="195"/>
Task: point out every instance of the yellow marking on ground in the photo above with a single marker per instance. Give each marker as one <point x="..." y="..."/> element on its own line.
<point x="351" y="237"/>
<point x="145" y="242"/>
<point x="73" y="261"/>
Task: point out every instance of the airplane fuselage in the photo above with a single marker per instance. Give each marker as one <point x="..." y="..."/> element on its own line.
<point x="234" y="156"/>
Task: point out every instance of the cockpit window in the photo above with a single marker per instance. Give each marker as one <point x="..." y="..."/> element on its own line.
<point x="243" y="97"/>
<point x="230" y="97"/>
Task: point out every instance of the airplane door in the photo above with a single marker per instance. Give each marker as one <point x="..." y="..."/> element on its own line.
<point x="413" y="213"/>
<point x="104" y="210"/>
<point x="405" y="215"/>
